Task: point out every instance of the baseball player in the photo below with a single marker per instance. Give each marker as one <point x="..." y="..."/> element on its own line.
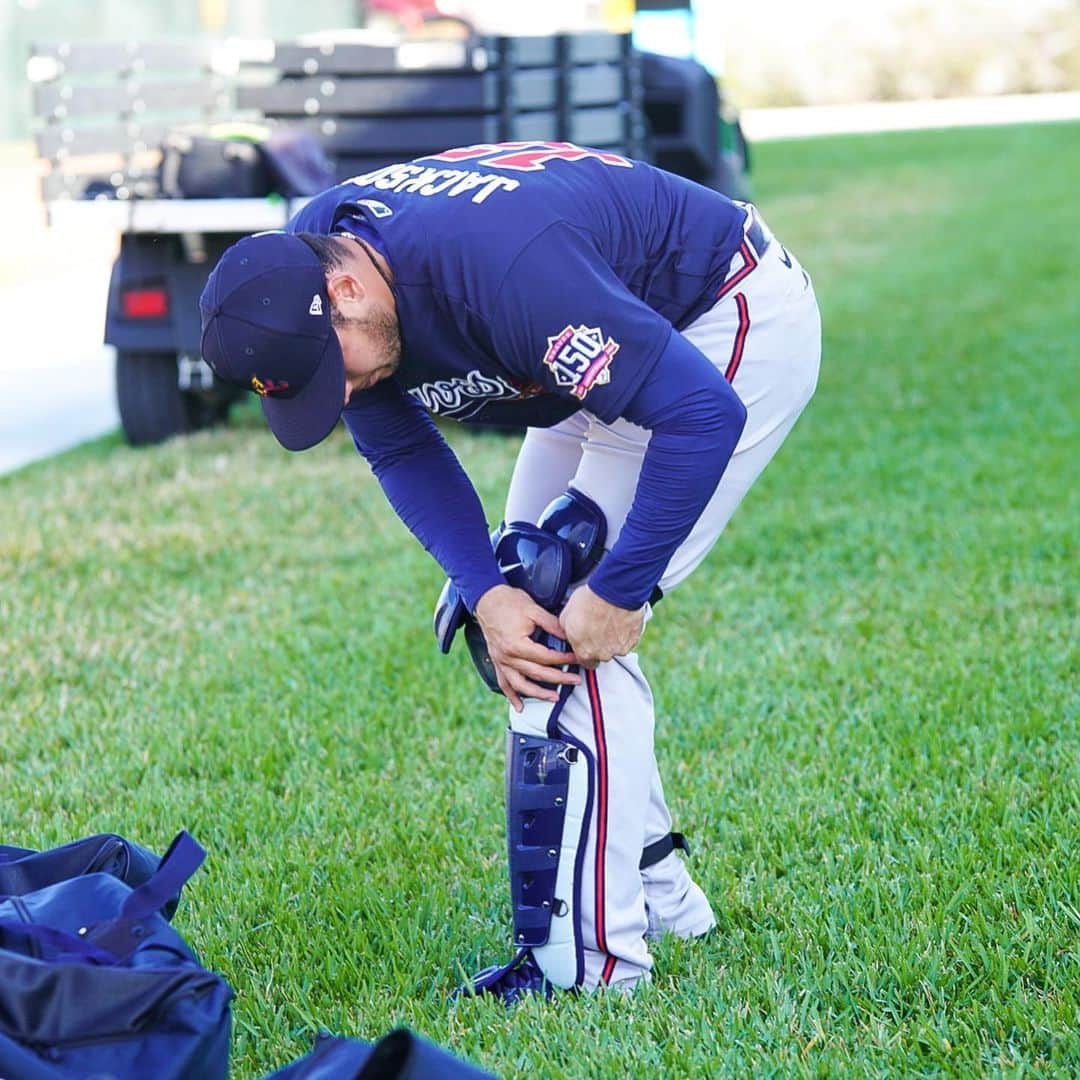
<point x="659" y="344"/>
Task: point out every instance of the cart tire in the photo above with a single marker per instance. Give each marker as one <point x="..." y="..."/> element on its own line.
<point x="152" y="405"/>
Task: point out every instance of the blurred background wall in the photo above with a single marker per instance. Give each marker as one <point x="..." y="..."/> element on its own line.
<point x="25" y="21"/>
<point x="832" y="51"/>
<point x="768" y="52"/>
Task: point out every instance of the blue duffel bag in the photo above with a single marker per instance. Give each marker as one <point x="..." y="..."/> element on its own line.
<point x="24" y="870"/>
<point x="94" y="982"/>
<point x="400" y="1055"/>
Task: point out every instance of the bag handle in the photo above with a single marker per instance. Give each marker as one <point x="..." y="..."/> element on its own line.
<point x="120" y="936"/>
<point x="178" y="864"/>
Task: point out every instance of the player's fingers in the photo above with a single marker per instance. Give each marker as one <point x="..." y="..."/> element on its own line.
<point x="546" y="621"/>
<point x="508" y="690"/>
<point x="527" y="649"/>
<point x="515" y="683"/>
<point x="525" y="687"/>
<point x="546" y="674"/>
<point x="531" y="652"/>
<point x="589" y="658"/>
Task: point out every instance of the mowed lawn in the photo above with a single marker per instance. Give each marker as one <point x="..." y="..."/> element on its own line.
<point x="867" y="697"/>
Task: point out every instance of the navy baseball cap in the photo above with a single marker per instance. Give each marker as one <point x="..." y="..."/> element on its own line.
<point x="266" y="327"/>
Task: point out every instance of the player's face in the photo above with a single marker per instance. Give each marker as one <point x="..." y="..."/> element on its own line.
<point x="370" y="347"/>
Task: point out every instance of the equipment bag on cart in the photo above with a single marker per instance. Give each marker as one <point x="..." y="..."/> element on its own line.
<point x="249" y="161"/>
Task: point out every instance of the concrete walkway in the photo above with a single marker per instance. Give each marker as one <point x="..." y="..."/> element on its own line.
<point x="762" y="124"/>
<point x="57" y="375"/>
<point x="50" y="407"/>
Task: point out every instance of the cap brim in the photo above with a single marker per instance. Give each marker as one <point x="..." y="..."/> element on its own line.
<point x="303" y="421"/>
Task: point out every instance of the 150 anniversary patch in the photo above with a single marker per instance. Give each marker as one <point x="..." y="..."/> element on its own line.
<point x="580" y="357"/>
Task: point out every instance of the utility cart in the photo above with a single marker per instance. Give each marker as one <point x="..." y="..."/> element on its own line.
<point x="113" y="119"/>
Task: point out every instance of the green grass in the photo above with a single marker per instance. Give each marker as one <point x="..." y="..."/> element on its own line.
<point x="869" y="729"/>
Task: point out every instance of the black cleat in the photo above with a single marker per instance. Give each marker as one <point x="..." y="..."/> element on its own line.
<point x="510" y="983"/>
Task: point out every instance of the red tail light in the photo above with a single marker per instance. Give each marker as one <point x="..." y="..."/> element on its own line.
<point x="144" y="303"/>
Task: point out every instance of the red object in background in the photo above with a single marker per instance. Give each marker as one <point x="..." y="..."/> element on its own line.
<point x="144" y="303"/>
<point x="411" y="13"/>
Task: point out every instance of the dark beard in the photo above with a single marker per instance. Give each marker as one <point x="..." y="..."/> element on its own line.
<point x="382" y="331"/>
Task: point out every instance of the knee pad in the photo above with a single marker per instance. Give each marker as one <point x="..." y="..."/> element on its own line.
<point x="539" y="562"/>
<point x="548" y="802"/>
<point x="531" y="559"/>
<point x="544" y="560"/>
<point x="575" y="518"/>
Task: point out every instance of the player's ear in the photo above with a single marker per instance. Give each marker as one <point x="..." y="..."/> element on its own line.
<point x="344" y="288"/>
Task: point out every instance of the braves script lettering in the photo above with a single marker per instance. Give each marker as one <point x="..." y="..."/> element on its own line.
<point x="463" y="395"/>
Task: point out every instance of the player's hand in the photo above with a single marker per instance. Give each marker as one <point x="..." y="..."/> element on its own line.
<point x="597" y="630"/>
<point x="508" y="618"/>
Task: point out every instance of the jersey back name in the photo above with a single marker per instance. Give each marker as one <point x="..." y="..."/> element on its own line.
<point x="535" y="279"/>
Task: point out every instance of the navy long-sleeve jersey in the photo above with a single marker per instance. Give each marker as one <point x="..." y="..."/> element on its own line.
<point x="533" y="280"/>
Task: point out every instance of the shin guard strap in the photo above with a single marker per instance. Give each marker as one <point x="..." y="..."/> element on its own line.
<point x="662" y="848"/>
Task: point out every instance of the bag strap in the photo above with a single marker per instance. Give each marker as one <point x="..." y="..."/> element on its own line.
<point x="184" y="857"/>
<point x="121" y="936"/>
<point x="404" y="1055"/>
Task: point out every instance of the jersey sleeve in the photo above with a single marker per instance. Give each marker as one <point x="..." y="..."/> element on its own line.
<point x="426" y="485"/>
<point x="696" y="419"/>
<point x="565" y="322"/>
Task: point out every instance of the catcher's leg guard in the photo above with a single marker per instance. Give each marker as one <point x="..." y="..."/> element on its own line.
<point x="548" y="803"/>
